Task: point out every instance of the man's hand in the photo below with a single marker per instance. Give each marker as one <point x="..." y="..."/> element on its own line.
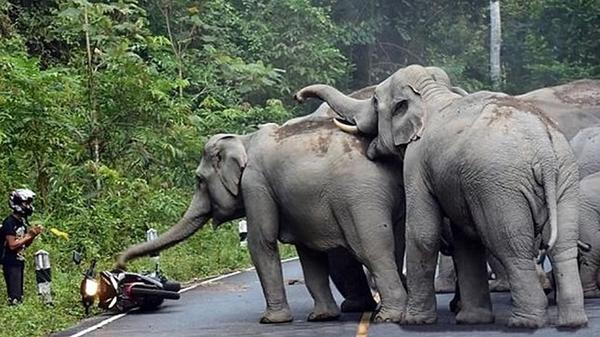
<point x="36" y="230"/>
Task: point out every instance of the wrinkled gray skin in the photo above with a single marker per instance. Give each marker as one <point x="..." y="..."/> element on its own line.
<point x="586" y="146"/>
<point x="498" y="169"/>
<point x="589" y="232"/>
<point x="308" y="184"/>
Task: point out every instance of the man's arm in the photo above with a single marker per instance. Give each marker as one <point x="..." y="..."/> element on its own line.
<point x="13" y="243"/>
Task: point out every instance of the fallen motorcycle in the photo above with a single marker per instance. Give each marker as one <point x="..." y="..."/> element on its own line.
<point x="120" y="291"/>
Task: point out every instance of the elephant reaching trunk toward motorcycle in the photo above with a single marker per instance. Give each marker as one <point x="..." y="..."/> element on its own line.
<point x="305" y="183"/>
<point x="497" y="168"/>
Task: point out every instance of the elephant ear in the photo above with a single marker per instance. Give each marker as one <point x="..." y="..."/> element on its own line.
<point x="229" y="160"/>
<point x="408" y="117"/>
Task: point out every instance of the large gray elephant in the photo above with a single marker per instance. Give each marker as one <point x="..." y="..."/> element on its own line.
<point x="305" y="183"/>
<point x="573" y="106"/>
<point x="498" y="168"/>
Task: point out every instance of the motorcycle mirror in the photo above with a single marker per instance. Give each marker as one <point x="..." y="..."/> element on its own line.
<point x="77" y="257"/>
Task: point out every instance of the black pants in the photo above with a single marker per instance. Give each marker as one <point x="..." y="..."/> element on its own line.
<point x="13" y="275"/>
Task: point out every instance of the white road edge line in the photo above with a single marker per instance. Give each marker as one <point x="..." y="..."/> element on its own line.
<point x="116" y="317"/>
<point x="99" y="325"/>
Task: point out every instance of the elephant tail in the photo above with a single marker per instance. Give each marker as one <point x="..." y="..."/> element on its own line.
<point x="547" y="173"/>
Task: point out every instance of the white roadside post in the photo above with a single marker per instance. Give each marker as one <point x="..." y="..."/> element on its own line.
<point x="43" y="275"/>
<point x="151" y="235"/>
<point x="243" y="230"/>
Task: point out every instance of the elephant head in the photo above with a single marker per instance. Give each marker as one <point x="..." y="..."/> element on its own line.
<point x="217" y="195"/>
<point x="396" y="113"/>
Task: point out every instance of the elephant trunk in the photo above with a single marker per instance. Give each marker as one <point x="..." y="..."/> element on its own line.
<point x="196" y="216"/>
<point x="348" y="109"/>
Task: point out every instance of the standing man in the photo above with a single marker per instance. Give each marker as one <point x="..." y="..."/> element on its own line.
<point x="14" y="238"/>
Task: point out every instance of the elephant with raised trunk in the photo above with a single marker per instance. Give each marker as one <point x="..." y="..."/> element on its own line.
<point x="498" y="168"/>
<point x="305" y="183"/>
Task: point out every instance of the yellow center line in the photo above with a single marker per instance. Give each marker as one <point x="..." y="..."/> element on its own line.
<point x="363" y="326"/>
<point x="365" y="320"/>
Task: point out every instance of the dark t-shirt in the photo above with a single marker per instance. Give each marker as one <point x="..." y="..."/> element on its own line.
<point x="12" y="226"/>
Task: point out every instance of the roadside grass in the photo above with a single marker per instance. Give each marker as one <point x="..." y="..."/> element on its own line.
<point x="207" y="253"/>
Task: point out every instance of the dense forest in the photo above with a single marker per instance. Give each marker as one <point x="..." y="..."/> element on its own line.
<point x="105" y="105"/>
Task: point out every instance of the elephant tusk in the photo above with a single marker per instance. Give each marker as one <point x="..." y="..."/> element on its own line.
<point x="583" y="246"/>
<point x="352" y="129"/>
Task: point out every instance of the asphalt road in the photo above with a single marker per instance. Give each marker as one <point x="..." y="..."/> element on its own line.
<point x="232" y="307"/>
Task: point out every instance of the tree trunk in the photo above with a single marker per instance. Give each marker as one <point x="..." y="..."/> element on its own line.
<point x="495" y="43"/>
<point x="91" y="96"/>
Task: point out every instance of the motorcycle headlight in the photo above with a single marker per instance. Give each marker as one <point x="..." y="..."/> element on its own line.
<point x="91" y="288"/>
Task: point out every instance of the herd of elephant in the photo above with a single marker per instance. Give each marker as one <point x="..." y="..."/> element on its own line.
<point x="406" y="169"/>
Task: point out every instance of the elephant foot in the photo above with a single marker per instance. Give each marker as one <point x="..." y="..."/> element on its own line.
<point x="445" y="285"/>
<point x="572" y="318"/>
<point x="358" y="305"/>
<point x="499" y="286"/>
<point x="388" y="315"/>
<point x="475" y="316"/>
<point x="323" y="316"/>
<point x="323" y="313"/>
<point x="419" y="319"/>
<point x="276" y="316"/>
<point x="526" y="321"/>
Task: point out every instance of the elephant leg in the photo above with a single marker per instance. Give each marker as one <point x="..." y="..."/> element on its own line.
<point x="263" y="228"/>
<point x="598" y="280"/>
<point x="588" y="273"/>
<point x="375" y="247"/>
<point x="589" y="267"/>
<point x="400" y="248"/>
<point x="510" y="238"/>
<point x="528" y="300"/>
<point x="445" y="281"/>
<point x="455" y="304"/>
<point x="471" y="270"/>
<point x="349" y="277"/>
<point x="316" y="275"/>
<point x="569" y="291"/>
<point x="423" y="231"/>
<point x="563" y="256"/>
<point x="500" y="283"/>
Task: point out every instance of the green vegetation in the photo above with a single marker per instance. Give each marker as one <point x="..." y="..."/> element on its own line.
<point x="105" y="105"/>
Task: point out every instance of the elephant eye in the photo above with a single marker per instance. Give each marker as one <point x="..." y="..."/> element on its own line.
<point x="401" y="107"/>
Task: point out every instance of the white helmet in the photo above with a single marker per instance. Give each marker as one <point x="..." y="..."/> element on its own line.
<point x="21" y="201"/>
